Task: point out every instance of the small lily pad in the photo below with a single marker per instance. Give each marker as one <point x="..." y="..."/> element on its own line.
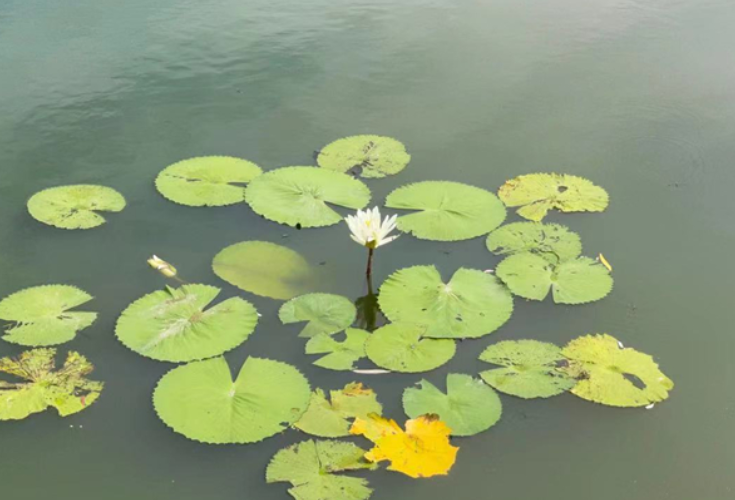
<point x="323" y="312"/>
<point x="553" y="242"/>
<point x="447" y="211"/>
<point x="530" y="369"/>
<point x="42" y="316"/>
<point x="207" y="181"/>
<point x="74" y="207"/>
<point x="402" y="347"/>
<point x="332" y="419"/>
<point x="370" y="156"/>
<point x="468" y="408"/>
<point x="339" y="355"/>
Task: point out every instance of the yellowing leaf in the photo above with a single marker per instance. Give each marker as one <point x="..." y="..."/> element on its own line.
<point x="604" y="262"/>
<point x="422" y="450"/>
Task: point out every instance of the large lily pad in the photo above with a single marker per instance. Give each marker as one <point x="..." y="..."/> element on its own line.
<point x="207" y="181"/>
<point x="613" y="375"/>
<point x="311" y="467"/>
<point x="553" y="242"/>
<point x="298" y="196"/>
<point x="66" y="389"/>
<point x="370" y="156"/>
<point x="41" y="315"/>
<point x="448" y="211"/>
<point x="323" y="312"/>
<point x="201" y="400"/>
<point x="265" y="269"/>
<point x="530" y="369"/>
<point x="340" y="355"/>
<point x="325" y="418"/>
<point x="470" y="305"/>
<point x="74" y="207"/>
<point x="402" y="347"/>
<point x="576" y="281"/>
<point x="468" y="407"/>
<point x="176" y="324"/>
<point x="536" y="194"/>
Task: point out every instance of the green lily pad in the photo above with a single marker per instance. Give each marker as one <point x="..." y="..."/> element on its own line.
<point x="265" y="269"/>
<point x="613" y="375"/>
<point x="176" y="325"/>
<point x="333" y="419"/>
<point x="468" y="408"/>
<point x="66" y="389"/>
<point x="201" y="401"/>
<point x="74" y="207"/>
<point x="576" y="281"/>
<point x="324" y="313"/>
<point x="448" y="211"/>
<point x="536" y="194"/>
<point x="41" y="315"/>
<point x="311" y="467"/>
<point x="470" y="305"/>
<point x="207" y="181"/>
<point x="530" y="369"/>
<point x="298" y="196"/>
<point x="401" y="347"/>
<point x="339" y="355"/>
<point x="553" y="242"/>
<point x="371" y="156"/>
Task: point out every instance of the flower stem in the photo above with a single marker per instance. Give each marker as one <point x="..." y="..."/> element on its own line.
<point x="369" y="271"/>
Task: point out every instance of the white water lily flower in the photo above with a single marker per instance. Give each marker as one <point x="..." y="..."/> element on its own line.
<point x="368" y="230"/>
<point x="162" y="266"/>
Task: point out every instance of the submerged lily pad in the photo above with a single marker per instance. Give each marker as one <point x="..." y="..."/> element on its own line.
<point x="468" y="407"/>
<point x="576" y="281"/>
<point x="176" y="325"/>
<point x="339" y="355"/>
<point x="470" y="305"/>
<point x="74" y="207"/>
<point x="323" y="312"/>
<point x="613" y="375"/>
<point x="207" y="181"/>
<point x="536" y="194"/>
<point x="265" y="269"/>
<point x="370" y="156"/>
<point x="553" y="242"/>
<point x="201" y="400"/>
<point x="448" y="211"/>
<point x="41" y="315"/>
<point x="530" y="369"/>
<point x="332" y="419"/>
<point x="311" y="467"/>
<point x="66" y="389"/>
<point x="402" y="347"/>
<point x="298" y="196"/>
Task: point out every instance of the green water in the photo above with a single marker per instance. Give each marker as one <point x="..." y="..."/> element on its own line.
<point x="637" y="95"/>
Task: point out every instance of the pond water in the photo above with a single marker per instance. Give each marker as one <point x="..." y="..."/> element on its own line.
<point x="637" y="96"/>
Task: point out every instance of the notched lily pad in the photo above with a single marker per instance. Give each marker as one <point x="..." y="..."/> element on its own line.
<point x="370" y="156"/>
<point x="402" y="347"/>
<point x="340" y="355"/>
<point x="75" y="206"/>
<point x="332" y="419"/>
<point x="207" y="181"/>
<point x="323" y="312"/>
<point x="42" y="316"/>
<point x="39" y="386"/>
<point x="553" y="242"/>
<point x="447" y="211"/>
<point x="536" y="194"/>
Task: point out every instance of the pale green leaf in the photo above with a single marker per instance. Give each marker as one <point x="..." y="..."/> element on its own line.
<point x="370" y="156"/>
<point x="323" y="312"/>
<point x="74" y="207"/>
<point x="325" y="418"/>
<point x="339" y="355"/>
<point x="402" y="347"/>
<point x="553" y="242"/>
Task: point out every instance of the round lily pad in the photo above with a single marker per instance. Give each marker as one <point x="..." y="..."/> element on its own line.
<point x="207" y="181"/>
<point x="401" y="347"/>
<point x="176" y="324"/>
<point x="323" y="312"/>
<point x="370" y="156"/>
<point x="325" y="418"/>
<point x="74" y="207"/>
<point x="447" y="211"/>
<point x="201" y="401"/>
<point x="298" y="196"/>
<point x="42" y="316"/>
<point x="530" y="369"/>
<point x="265" y="269"/>
<point x="340" y="355"/>
<point x="553" y="242"/>
<point x="470" y="305"/>
<point x="469" y="406"/>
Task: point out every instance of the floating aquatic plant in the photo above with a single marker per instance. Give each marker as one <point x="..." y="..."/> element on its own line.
<point x="369" y="156"/>
<point x="162" y="267"/>
<point x="324" y="313"/>
<point x="74" y="207"/>
<point x="553" y="242"/>
<point x="403" y="347"/>
<point x="340" y="355"/>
